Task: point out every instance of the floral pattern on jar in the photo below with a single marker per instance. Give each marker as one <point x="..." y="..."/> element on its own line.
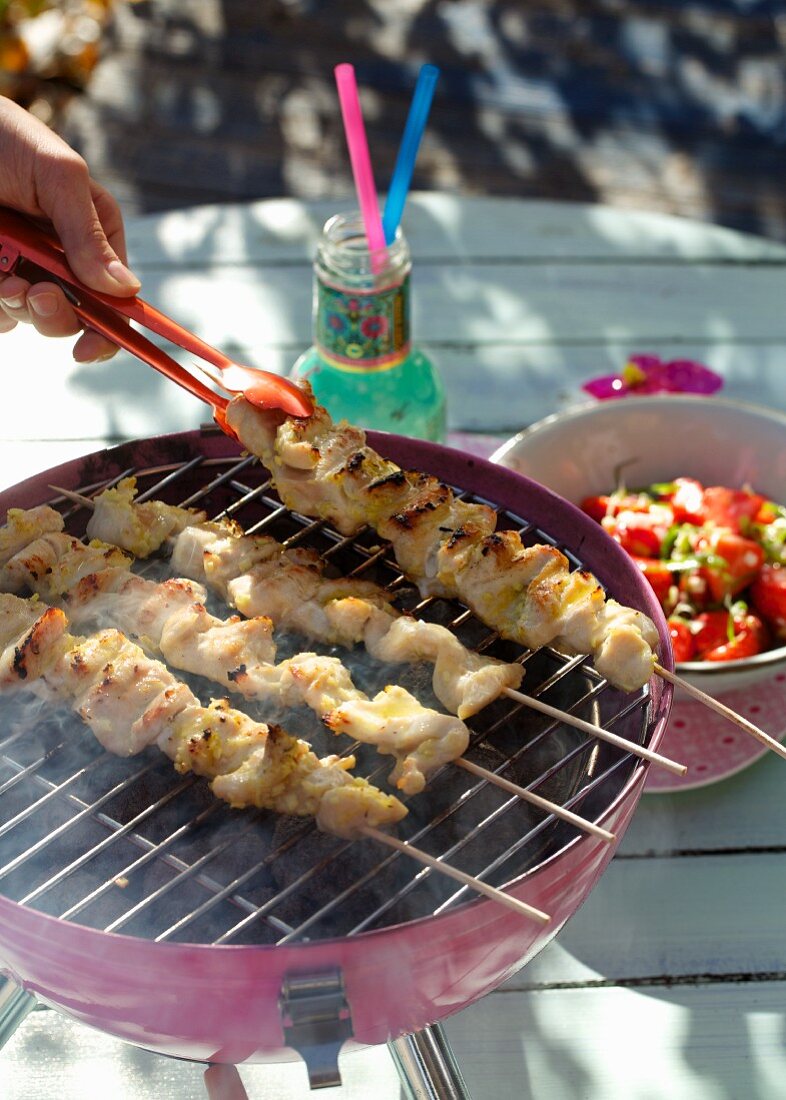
<point x="360" y="330"/>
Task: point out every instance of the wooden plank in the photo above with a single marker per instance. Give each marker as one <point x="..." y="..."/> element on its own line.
<point x="743" y="812"/>
<point x="499" y="389"/>
<point x="498" y="304"/>
<point x="684" y="1043"/>
<point x="121" y="399"/>
<point x="619" y="1044"/>
<point x="441" y="227"/>
<point x="658" y="919"/>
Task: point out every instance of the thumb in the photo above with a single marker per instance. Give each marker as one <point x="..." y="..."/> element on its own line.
<point x="70" y="207"/>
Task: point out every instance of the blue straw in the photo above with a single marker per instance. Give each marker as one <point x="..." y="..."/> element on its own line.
<point x="410" y="142"/>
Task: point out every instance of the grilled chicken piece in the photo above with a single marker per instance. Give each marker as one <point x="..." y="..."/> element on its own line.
<point x="315" y="465"/>
<point x="426" y="521"/>
<point x="55" y="562"/>
<point x="111" y="684"/>
<point x="232" y="556"/>
<point x="239" y="654"/>
<point x="142" y="606"/>
<point x="220" y="649"/>
<point x="29" y="633"/>
<point x="24" y="526"/>
<point x="139" y="528"/>
<point x="394" y="721"/>
<point x="448" y="547"/>
<point x="337" y="611"/>
<point x="131" y="701"/>
<point x="170" y="617"/>
<point x="341" y="803"/>
<point x="464" y="681"/>
<point x="218" y="552"/>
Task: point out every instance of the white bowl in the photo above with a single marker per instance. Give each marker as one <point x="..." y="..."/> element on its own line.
<point x="580" y="453"/>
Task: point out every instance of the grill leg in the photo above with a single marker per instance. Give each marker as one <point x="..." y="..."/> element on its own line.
<point x="427" y="1066"/>
<point x="15" y="1004"/>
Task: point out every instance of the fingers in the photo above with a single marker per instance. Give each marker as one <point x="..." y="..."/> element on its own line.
<point x="45" y="306"/>
<point x="42" y="305"/>
<point x="223" y="1082"/>
<point x="87" y="220"/>
<point x="111" y="219"/>
<point x="92" y="347"/>
<point x="42" y="176"/>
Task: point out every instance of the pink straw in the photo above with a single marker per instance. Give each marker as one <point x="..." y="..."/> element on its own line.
<point x="359" y="156"/>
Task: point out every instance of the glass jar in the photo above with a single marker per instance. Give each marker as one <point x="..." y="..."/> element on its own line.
<point x="362" y="365"/>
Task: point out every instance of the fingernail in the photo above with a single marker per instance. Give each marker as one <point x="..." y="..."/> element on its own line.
<point x="15" y="303"/>
<point x="122" y="275"/>
<point x="45" y="305"/>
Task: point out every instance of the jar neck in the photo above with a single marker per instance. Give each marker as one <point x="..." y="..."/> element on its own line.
<point x="344" y="260"/>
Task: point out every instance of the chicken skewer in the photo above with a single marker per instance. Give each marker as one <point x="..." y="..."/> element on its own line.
<point x="240" y="654"/>
<point x="258" y="575"/>
<point x="221" y="555"/>
<point x="171" y="618"/>
<point x="130" y="701"/>
<point x="450" y="547"/>
<point x="447" y="546"/>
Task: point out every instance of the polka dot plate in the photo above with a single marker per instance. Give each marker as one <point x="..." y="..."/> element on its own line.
<point x="711" y="746"/>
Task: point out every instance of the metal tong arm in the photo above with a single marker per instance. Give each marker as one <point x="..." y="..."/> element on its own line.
<point x="24" y="243"/>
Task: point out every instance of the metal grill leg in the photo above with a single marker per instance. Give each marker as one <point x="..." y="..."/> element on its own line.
<point x="427" y="1066"/>
<point x="15" y="1004"/>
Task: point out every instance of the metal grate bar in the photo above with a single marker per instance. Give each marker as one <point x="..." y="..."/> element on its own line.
<point x="112" y="838"/>
<point x="188" y="871"/>
<point x="118" y="832"/>
<point x="54" y="792"/>
<point x="264" y="910"/>
<point x="137" y="864"/>
<point x="22" y="773"/>
<point x="464" y="891"/>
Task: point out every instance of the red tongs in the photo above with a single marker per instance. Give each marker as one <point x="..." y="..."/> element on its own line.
<point x="35" y="253"/>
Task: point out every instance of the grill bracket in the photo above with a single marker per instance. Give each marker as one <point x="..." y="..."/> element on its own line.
<point x="317" y="1022"/>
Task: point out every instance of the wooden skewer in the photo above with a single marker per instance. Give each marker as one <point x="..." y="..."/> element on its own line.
<point x="492" y="892"/>
<point x="70" y="494"/>
<point x="535" y="799"/>
<point x="598" y="731"/>
<point x="723" y="710"/>
<point x="483" y="773"/>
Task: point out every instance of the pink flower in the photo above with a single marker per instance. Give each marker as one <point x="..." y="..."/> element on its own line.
<point x="374" y="327"/>
<point x="644" y="374"/>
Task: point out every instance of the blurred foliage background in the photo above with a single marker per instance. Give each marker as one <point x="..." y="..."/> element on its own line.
<point x="670" y="105"/>
<point x="48" y="50"/>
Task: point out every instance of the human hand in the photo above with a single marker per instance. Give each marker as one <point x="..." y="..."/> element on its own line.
<point x="41" y="175"/>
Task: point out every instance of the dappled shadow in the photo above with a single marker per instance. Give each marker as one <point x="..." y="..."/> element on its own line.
<point x="679" y="109"/>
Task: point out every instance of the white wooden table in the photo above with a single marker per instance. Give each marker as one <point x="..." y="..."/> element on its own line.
<point x="671" y="980"/>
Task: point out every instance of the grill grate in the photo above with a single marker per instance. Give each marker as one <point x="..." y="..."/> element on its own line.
<point x="130" y="846"/>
